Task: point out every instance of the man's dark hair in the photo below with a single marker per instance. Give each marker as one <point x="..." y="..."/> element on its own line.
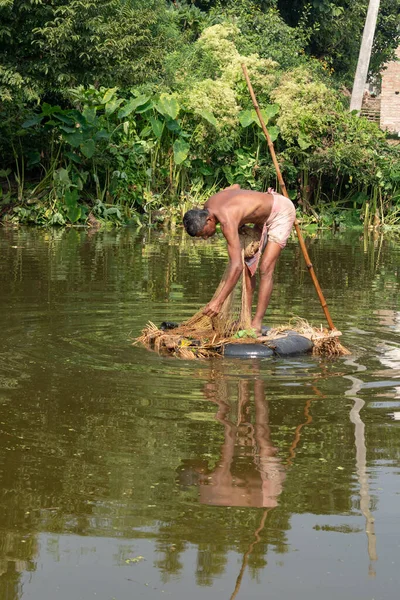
<point x="194" y="220"/>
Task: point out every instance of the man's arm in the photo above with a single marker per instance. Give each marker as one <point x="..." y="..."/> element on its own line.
<point x="231" y="234"/>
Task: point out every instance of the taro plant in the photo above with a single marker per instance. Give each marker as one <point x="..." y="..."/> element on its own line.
<point x="111" y="149"/>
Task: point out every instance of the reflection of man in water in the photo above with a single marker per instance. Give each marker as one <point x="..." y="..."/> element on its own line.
<point x="248" y="472"/>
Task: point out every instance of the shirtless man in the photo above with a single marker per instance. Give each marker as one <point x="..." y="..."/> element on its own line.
<point x="233" y="207"/>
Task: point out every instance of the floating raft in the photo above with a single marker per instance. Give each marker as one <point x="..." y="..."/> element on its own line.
<point x="288" y="340"/>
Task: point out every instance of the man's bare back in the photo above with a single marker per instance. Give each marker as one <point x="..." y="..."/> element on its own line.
<point x="240" y="207"/>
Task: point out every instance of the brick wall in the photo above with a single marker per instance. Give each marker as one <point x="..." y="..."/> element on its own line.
<point x="371" y="108"/>
<point x="390" y="96"/>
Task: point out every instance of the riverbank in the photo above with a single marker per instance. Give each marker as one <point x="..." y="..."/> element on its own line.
<point x="134" y="155"/>
<point x="106" y="216"/>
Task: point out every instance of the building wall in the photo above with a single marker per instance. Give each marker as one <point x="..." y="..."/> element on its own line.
<point x="390" y="96"/>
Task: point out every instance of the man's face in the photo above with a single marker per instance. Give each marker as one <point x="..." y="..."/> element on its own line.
<point x="208" y="230"/>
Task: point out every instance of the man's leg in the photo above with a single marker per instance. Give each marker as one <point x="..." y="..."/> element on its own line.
<point x="267" y="266"/>
<point x="250" y="284"/>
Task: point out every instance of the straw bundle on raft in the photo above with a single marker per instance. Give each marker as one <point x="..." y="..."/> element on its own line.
<point x="203" y="337"/>
<point x="180" y="344"/>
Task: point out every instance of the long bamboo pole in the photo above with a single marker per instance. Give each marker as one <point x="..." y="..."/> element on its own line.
<point x="284" y="192"/>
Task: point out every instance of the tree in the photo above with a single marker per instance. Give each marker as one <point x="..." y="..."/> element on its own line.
<point x="364" y="56"/>
<point x="46" y="46"/>
<point x="335" y="29"/>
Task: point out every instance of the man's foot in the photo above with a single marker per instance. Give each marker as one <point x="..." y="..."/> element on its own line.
<point x="260" y="330"/>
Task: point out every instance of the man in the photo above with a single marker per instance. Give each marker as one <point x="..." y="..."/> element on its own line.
<point x="272" y="214"/>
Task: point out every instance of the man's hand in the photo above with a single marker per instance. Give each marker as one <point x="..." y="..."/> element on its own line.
<point x="213" y="308"/>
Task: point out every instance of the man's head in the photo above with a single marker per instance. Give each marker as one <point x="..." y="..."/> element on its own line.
<point x="199" y="223"/>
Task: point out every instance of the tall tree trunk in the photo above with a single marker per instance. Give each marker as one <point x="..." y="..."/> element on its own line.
<point x="364" y="56"/>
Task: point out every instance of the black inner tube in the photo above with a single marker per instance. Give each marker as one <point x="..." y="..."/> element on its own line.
<point x="291" y="345"/>
<point x="168" y="325"/>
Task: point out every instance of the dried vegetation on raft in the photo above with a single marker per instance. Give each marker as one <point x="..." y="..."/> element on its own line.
<point x="202" y="338"/>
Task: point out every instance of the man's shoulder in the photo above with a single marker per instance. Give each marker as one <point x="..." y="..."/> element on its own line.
<point x="224" y="196"/>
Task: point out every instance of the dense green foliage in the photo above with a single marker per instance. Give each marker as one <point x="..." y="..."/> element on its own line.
<point x="46" y="47"/>
<point x="114" y="109"/>
<point x="336" y="27"/>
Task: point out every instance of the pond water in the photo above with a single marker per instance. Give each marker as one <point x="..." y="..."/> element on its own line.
<point x="127" y="475"/>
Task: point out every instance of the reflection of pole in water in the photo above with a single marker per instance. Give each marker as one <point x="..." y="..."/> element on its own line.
<point x="248" y="552"/>
<point x="361" y="462"/>
<point x="297" y="433"/>
<point x="262" y="428"/>
<point x="252" y="438"/>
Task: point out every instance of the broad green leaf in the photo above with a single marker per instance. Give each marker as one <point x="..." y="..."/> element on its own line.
<point x="87" y="148"/>
<point x="273" y="132"/>
<point x="246" y="117"/>
<point x="264" y="116"/>
<point x="228" y="174"/>
<point x="157" y="127"/>
<point x="79" y="118"/>
<point x="145" y="107"/>
<point x="102" y="135"/>
<point x="303" y="142"/>
<point x="181" y="151"/>
<point x="270" y="110"/>
<point x="48" y="109"/>
<point x="113" y="211"/>
<point x="71" y="197"/>
<point x="168" y="106"/>
<point x="89" y="113"/>
<point x="67" y="129"/>
<point x="208" y="116"/>
<point x="132" y="105"/>
<point x="108" y="95"/>
<point x="113" y="105"/>
<point x="337" y="10"/>
<point x="74" y="157"/>
<point x="173" y="126"/>
<point x="57" y="219"/>
<point x="205" y="169"/>
<point x="33" y="121"/>
<point x="64" y="119"/>
<point x="62" y="176"/>
<point x="359" y="198"/>
<point x="146" y="131"/>
<point x="74" y="213"/>
<point x="73" y="138"/>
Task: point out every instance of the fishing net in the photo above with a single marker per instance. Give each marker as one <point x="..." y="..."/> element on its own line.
<point x="235" y="313"/>
<point x="202" y="336"/>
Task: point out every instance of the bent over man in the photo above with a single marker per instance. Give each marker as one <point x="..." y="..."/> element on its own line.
<point x="271" y="213"/>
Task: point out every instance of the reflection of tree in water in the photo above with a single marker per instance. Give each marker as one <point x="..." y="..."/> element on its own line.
<point x="10" y="585"/>
<point x="15" y="558"/>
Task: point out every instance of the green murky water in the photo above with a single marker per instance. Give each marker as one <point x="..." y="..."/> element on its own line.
<point x="125" y="475"/>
